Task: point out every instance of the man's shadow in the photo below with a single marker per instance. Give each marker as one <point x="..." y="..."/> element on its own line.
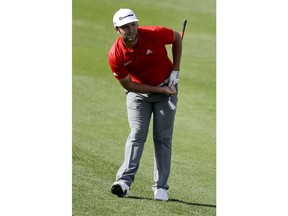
<point x="176" y="200"/>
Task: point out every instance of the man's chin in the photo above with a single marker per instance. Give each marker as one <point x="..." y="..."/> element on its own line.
<point x="131" y="39"/>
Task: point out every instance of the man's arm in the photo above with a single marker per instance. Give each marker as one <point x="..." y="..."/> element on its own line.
<point x="129" y="85"/>
<point x="177" y="51"/>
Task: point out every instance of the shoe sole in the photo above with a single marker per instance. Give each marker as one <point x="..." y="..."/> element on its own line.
<point x="161" y="199"/>
<point x="117" y="190"/>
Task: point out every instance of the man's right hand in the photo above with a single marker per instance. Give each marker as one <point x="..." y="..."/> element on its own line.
<point x="169" y="90"/>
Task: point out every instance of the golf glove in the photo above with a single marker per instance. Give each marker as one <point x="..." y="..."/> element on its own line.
<point x="174" y="78"/>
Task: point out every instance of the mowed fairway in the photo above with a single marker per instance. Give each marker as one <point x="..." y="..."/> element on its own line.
<point x="100" y="126"/>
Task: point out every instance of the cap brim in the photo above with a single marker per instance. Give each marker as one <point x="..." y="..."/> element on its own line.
<point x="128" y="21"/>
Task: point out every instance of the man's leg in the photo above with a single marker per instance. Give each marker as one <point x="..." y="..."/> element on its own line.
<point x="162" y="134"/>
<point x="139" y="114"/>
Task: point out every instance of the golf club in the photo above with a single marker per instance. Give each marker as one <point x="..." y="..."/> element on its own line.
<point x="171" y="105"/>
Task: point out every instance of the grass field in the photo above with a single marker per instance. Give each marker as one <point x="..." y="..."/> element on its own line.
<point x="100" y="125"/>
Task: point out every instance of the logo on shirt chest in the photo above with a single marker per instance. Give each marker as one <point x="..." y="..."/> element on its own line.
<point x="148" y="52"/>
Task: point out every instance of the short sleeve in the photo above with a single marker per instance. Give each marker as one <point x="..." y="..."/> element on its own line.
<point x="117" y="64"/>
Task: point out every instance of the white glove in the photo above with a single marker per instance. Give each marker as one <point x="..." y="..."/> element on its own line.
<point x="174" y="78"/>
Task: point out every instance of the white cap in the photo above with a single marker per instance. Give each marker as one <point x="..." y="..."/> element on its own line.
<point x="124" y="16"/>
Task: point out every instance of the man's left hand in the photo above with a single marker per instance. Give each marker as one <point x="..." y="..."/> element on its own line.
<point x="174" y="78"/>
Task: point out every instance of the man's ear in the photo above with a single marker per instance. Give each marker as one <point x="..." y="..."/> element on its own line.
<point x="117" y="30"/>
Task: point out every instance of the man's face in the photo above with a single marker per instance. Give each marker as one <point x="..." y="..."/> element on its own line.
<point x="128" y="32"/>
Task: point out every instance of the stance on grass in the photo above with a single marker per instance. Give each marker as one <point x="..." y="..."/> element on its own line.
<point x="139" y="61"/>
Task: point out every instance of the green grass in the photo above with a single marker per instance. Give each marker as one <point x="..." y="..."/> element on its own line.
<point x="100" y="125"/>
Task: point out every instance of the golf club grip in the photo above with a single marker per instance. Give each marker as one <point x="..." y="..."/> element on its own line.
<point x="183" y="28"/>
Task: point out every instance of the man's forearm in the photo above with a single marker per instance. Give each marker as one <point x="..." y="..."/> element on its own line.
<point x="177" y="51"/>
<point x="129" y="85"/>
<point x="142" y="88"/>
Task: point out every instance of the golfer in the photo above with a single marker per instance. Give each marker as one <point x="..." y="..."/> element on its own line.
<point x="139" y="61"/>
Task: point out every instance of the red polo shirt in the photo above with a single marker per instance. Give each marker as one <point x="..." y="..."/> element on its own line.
<point x="149" y="62"/>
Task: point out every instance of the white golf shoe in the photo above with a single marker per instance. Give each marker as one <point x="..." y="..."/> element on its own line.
<point x="120" y="189"/>
<point x="160" y="194"/>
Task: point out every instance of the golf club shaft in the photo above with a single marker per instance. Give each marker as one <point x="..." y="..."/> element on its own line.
<point x="172" y="106"/>
<point x="183" y="28"/>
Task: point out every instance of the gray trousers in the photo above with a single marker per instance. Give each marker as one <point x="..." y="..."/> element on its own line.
<point x="140" y="108"/>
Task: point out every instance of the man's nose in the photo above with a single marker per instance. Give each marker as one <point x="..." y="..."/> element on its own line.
<point x="130" y="28"/>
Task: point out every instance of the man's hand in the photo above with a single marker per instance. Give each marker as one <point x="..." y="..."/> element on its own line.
<point x="168" y="90"/>
<point x="174" y="78"/>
